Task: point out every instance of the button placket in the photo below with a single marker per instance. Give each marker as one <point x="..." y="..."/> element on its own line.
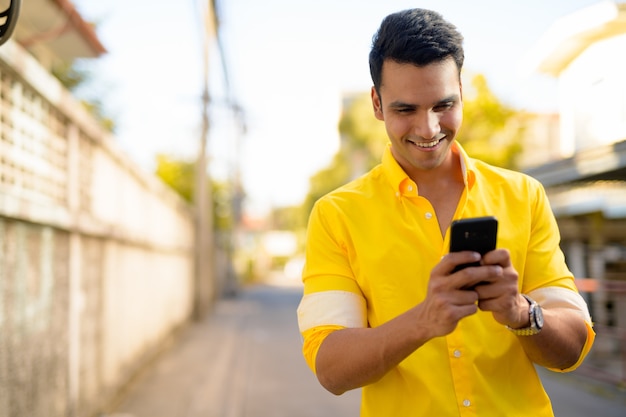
<point x="458" y="356"/>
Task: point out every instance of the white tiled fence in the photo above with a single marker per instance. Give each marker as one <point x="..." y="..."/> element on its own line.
<point x="96" y="256"/>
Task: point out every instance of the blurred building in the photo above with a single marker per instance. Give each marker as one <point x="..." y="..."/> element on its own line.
<point x="540" y="138"/>
<point x="586" y="182"/>
<point x="55" y="33"/>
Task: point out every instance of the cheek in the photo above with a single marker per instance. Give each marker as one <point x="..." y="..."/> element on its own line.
<point x="452" y="120"/>
<point x="397" y="126"/>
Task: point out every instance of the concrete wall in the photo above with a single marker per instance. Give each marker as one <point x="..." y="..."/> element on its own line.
<point x="96" y="256"/>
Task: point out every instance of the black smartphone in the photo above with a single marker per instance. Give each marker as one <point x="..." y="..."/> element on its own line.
<point x="477" y="234"/>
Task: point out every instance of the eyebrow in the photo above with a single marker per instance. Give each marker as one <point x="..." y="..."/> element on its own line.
<point x="402" y="105"/>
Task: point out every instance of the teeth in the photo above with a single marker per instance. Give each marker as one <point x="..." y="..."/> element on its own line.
<point x="427" y="144"/>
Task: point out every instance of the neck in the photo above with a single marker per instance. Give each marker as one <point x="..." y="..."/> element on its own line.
<point x="448" y="172"/>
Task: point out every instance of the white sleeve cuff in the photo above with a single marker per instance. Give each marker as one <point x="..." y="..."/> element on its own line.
<point x="339" y="308"/>
<point x="557" y="297"/>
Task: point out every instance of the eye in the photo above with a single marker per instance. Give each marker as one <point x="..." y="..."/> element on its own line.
<point x="405" y="110"/>
<point x="446" y="105"/>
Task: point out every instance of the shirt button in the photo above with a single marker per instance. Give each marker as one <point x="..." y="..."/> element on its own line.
<point x="410" y="188"/>
<point x="457" y="353"/>
<point x="428" y="215"/>
<point x="467" y="403"/>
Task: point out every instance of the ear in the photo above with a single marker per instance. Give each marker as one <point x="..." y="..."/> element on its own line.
<point x="377" y="104"/>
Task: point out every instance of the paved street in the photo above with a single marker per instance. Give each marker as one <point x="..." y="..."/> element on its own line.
<point x="574" y="396"/>
<point x="245" y="361"/>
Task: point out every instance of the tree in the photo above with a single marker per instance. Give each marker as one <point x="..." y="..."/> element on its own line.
<point x="363" y="139"/>
<point x="177" y="174"/>
<point x="180" y="176"/>
<point x="73" y="76"/>
<point x="361" y="131"/>
<point x="487" y="133"/>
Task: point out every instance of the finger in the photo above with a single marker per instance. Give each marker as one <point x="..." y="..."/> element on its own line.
<point x="453" y="259"/>
<point x="468" y="297"/>
<point x="476" y="277"/>
<point x="500" y="257"/>
<point x="487" y="292"/>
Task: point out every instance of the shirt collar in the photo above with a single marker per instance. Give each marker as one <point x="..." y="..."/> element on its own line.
<point x="403" y="185"/>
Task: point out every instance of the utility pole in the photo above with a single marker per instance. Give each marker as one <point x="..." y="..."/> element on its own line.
<point x="204" y="276"/>
<point x="237" y="198"/>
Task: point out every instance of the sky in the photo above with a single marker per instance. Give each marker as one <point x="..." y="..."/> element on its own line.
<point x="289" y="62"/>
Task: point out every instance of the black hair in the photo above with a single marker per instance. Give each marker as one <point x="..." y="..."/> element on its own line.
<point x="416" y="36"/>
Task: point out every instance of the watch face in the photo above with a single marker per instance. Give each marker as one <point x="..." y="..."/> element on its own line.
<point x="538" y="317"/>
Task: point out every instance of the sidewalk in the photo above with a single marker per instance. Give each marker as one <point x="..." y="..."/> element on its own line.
<point x="244" y="360"/>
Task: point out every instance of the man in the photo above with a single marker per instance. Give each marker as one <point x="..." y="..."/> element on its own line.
<point x="382" y="308"/>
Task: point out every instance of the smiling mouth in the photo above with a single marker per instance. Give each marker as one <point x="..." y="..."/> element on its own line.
<point x="427" y="145"/>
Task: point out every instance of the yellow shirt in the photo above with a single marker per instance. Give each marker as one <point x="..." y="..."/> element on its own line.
<point x="371" y="245"/>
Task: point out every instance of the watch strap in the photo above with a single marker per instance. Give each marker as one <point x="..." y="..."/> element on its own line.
<point x="533" y="328"/>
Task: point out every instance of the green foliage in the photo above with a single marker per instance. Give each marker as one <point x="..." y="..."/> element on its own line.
<point x="327" y="179"/>
<point x="223" y="218"/>
<point x="72" y="76"/>
<point x="487" y="133"/>
<point x="363" y="139"/>
<point x="180" y="176"/>
<point x="95" y="108"/>
<point x="287" y="218"/>
<point x="360" y="130"/>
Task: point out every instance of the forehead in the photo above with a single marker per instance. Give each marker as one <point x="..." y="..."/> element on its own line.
<point x="411" y="83"/>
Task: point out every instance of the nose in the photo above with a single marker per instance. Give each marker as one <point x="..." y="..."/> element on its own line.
<point x="427" y="124"/>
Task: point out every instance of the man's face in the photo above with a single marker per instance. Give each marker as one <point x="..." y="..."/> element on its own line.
<point x="422" y="111"/>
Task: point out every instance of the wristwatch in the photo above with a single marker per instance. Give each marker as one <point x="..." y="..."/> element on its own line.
<point x="536" y="319"/>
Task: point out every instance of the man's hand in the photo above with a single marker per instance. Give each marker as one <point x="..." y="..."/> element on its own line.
<point x="453" y="296"/>
<point x="353" y="357"/>
<point x="500" y="294"/>
<point x="498" y="289"/>
<point x="564" y="333"/>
